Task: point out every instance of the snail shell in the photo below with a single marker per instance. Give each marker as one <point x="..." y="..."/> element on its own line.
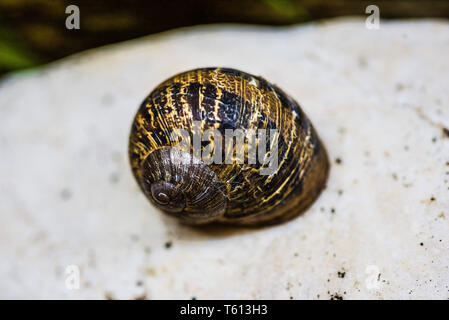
<point x="198" y="192"/>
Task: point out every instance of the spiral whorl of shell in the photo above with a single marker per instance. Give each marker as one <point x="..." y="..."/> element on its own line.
<point x="220" y="98"/>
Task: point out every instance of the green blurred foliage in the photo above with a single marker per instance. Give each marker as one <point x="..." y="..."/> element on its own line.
<point x="33" y="31"/>
<point x="13" y="55"/>
<point x="291" y="10"/>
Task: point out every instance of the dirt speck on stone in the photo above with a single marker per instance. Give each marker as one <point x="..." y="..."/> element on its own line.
<point x="65" y="194"/>
<point x="336" y="296"/>
<point x="109" y="296"/>
<point x="446" y="132"/>
<point x="141" y="297"/>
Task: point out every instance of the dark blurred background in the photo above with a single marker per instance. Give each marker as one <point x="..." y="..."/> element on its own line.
<point x="33" y="32"/>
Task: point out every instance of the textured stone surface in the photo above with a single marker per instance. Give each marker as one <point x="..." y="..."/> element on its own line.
<point x="378" y="99"/>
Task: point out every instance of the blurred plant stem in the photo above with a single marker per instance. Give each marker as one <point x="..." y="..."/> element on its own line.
<point x="13" y="55"/>
<point x="289" y="9"/>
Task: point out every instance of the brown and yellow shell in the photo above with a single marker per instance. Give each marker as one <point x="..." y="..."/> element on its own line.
<point x="196" y="192"/>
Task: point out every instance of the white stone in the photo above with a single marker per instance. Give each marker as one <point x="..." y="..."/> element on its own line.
<point x="377" y="98"/>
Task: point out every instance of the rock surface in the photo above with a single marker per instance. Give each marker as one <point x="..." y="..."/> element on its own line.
<point x="378" y="99"/>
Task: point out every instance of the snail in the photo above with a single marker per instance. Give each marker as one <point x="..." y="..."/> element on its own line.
<point x="198" y="185"/>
